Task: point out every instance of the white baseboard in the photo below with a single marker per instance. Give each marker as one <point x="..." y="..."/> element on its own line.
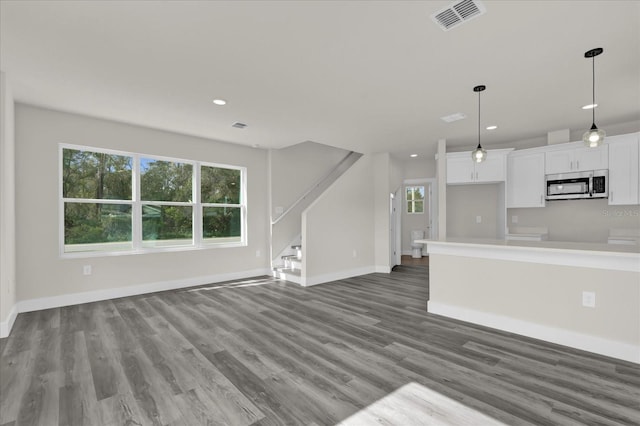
<point x="114" y="293"/>
<point x="407" y="252"/>
<point x="340" y="275"/>
<point x="595" y="344"/>
<point x="383" y="269"/>
<point x="6" y="326"/>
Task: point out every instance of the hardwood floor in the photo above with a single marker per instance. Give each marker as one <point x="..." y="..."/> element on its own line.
<point x="266" y="352"/>
<point x="410" y="261"/>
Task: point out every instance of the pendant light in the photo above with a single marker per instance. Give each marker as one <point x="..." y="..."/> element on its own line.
<point x="479" y="154"/>
<point x="594" y="136"/>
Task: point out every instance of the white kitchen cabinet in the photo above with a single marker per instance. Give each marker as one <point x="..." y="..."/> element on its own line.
<point x="577" y="158"/>
<point x="525" y="179"/>
<point x="624" y="161"/>
<point x="461" y="169"/>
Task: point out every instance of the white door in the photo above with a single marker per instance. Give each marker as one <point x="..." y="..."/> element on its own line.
<point x="394" y="215"/>
<point x="392" y="231"/>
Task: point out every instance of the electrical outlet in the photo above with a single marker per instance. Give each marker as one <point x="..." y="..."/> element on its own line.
<point x="514" y="219"/>
<point x="258" y="254"/>
<point x="86" y="270"/>
<point x="589" y="299"/>
<point x="478" y="219"/>
<point x="279" y="209"/>
<point x="355" y="253"/>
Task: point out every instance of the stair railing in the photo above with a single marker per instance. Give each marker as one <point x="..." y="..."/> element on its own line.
<point x="312" y="188"/>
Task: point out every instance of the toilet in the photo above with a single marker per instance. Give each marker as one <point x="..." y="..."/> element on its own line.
<point x="416" y="248"/>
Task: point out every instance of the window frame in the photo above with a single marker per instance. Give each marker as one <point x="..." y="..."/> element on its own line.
<point x="413" y="201"/>
<point x="136" y="203"/>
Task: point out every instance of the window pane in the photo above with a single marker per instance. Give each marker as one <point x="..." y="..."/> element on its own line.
<point x="409" y="206"/>
<point x="97" y="227"/>
<point x="418" y="193"/>
<point x="419" y="207"/>
<point x="96" y="175"/>
<point x="409" y="193"/>
<point x="166" y="225"/>
<point x="165" y="180"/>
<point x="221" y="224"/>
<point x="220" y="185"/>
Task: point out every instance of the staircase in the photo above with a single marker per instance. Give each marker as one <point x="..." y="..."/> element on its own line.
<point x="286" y="241"/>
<point x="291" y="267"/>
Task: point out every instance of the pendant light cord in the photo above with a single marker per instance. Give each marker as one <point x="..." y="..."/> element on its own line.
<point x="593" y="89"/>
<point x="478" y="118"/>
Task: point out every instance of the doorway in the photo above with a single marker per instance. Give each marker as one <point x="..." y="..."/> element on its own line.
<point x="418" y="205"/>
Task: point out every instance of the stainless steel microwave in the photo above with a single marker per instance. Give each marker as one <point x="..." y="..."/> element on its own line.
<point x="578" y="185"/>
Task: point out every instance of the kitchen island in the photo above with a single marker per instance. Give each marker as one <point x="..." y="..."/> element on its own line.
<point x="582" y="295"/>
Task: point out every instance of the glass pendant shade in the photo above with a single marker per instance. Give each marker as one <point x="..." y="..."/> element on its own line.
<point x="479" y="154"/>
<point x="593" y="137"/>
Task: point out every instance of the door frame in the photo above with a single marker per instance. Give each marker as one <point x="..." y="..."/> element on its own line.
<point x="431" y="192"/>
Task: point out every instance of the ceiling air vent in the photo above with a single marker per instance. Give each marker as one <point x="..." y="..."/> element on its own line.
<point x="458" y="13"/>
<point x="238" y="125"/>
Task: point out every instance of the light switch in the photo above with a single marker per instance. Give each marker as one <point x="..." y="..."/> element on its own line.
<point x="478" y="219"/>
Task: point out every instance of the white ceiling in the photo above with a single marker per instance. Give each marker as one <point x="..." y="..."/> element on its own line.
<point x="369" y="76"/>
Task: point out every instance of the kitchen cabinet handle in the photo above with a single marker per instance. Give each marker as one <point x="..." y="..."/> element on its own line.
<point x="577" y="165"/>
<point x="471" y="175"/>
<point x="541" y="199"/>
<point x="610" y="196"/>
<point x="570" y="165"/>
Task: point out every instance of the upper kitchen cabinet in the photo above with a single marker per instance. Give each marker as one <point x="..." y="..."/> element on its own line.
<point x="624" y="161"/>
<point x="525" y="179"/>
<point x="461" y="169"/>
<point x="576" y="158"/>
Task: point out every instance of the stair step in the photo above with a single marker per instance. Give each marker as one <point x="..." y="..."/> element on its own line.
<point x="288" y="275"/>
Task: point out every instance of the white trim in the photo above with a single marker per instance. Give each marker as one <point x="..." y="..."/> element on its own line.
<point x="537" y="252"/>
<point x="114" y="293"/>
<point x="6" y="326"/>
<point x="340" y="275"/>
<point x="586" y="342"/>
<point x="382" y="269"/>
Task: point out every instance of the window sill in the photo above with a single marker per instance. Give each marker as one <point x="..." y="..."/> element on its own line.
<point x="154" y="250"/>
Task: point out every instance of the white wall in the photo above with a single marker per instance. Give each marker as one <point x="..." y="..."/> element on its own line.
<point x="41" y="273"/>
<point x="338" y="228"/>
<point x="419" y="167"/>
<point x="465" y="202"/>
<point x="577" y="220"/>
<point x="541" y="300"/>
<point x="296" y="168"/>
<point x="382" y="214"/>
<point x="7" y="209"/>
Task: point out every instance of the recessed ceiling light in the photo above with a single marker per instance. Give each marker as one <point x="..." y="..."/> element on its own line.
<point x="590" y="106"/>
<point x="453" y="117"/>
<point x="219" y="102"/>
<point x="413" y="155"/>
<point x="492" y="127"/>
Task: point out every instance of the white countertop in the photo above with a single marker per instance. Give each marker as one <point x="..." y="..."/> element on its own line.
<point x="552" y="245"/>
<point x="587" y="255"/>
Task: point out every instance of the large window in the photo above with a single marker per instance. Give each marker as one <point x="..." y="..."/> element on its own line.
<point x="415" y="199"/>
<point x="119" y="202"/>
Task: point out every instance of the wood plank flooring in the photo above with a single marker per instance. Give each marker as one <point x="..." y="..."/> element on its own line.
<point x="358" y="351"/>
